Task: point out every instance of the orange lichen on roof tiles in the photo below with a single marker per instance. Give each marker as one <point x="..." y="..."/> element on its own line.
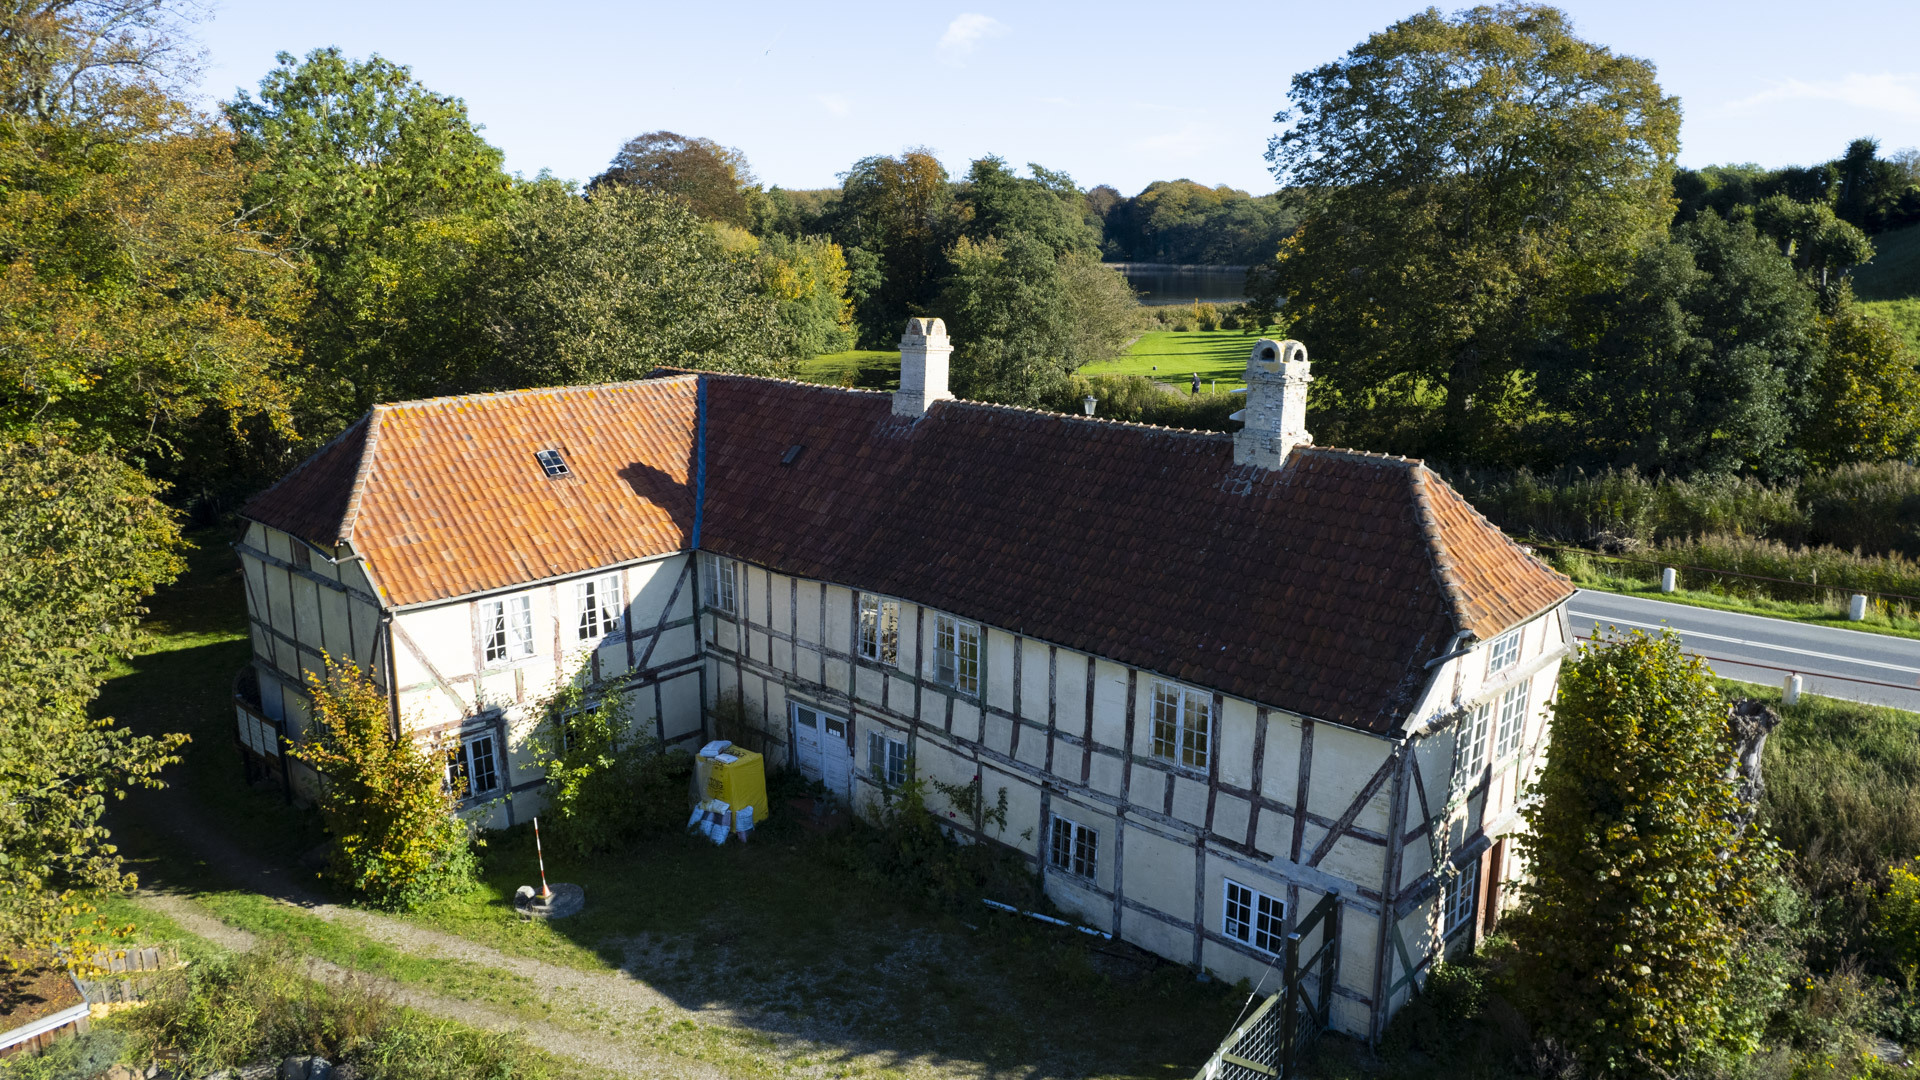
<point x="446" y="498"/>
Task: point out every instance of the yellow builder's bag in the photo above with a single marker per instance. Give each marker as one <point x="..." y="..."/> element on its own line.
<point x="739" y="782"/>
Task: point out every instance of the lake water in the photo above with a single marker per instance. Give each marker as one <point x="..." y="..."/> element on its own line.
<point x="1163" y="283"/>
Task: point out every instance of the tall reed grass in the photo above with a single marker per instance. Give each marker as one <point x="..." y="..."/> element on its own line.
<point x="1874" y="508"/>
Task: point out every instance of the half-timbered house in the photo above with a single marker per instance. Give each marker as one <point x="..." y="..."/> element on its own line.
<point x="1218" y="678"/>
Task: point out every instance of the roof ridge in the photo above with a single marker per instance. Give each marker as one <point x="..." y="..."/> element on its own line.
<point x="484" y="395"/>
<point x="1458" y="606"/>
<point x="367" y="450"/>
<point x="1084" y="419"/>
<point x="678" y="371"/>
<point x="1376" y="455"/>
<point x="970" y="402"/>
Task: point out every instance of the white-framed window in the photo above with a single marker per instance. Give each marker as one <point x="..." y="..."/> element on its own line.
<point x="1182" y="724"/>
<point x="956" y="653"/>
<point x="1513" y="720"/>
<point x="1470" y="746"/>
<point x="1505" y="652"/>
<point x="597" y="602"/>
<point x="880" y="629"/>
<point x="717" y="582"/>
<point x="887" y="758"/>
<point x="506" y="629"/>
<point x="1251" y="916"/>
<point x="1456" y="901"/>
<point x="1074" y="848"/>
<point x="473" y="768"/>
<point x="552" y="462"/>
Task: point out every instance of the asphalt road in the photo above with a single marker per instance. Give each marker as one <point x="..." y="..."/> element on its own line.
<point x="1848" y="664"/>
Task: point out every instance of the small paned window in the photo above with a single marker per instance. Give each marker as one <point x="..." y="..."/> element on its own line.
<point x="1253" y="917"/>
<point x="597" y="600"/>
<point x="718" y="586"/>
<point x="1458" y="898"/>
<point x="1182" y="724"/>
<point x="552" y="463"/>
<point x="1505" y="652"/>
<point x="1513" y="720"/>
<point x="880" y="629"/>
<point x="887" y="758"/>
<point x="506" y="629"/>
<point x="1470" y="746"/>
<point x="956" y="653"/>
<point x="472" y="768"/>
<point x="1074" y="848"/>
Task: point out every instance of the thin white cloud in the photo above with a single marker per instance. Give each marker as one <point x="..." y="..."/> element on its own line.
<point x="1887" y="93"/>
<point x="965" y="32"/>
<point x="837" y="104"/>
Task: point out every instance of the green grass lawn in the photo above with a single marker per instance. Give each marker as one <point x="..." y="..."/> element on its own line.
<point x="1894" y="271"/>
<point x="1163" y="355"/>
<point x="1173" y="357"/>
<point x="1903" y="314"/>
<point x="872" y="369"/>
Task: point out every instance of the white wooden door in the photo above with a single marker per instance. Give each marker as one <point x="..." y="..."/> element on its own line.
<point x="823" y="749"/>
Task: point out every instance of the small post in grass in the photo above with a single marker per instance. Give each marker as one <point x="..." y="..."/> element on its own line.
<point x="546" y="894"/>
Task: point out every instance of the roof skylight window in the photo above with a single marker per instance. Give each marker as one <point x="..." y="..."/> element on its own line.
<point x="552" y="462"/>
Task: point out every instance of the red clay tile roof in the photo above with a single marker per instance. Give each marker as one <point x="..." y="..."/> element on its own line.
<point x="445" y="497"/>
<point x="1322" y="587"/>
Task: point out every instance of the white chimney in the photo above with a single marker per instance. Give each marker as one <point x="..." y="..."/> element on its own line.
<point x="924" y="352"/>
<point x="1276" y="413"/>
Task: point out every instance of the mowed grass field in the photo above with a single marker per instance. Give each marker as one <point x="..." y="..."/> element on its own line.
<point x="1889" y="285"/>
<point x="1164" y="355"/>
<point x="870" y="369"/>
<point x="1171" y="357"/>
<point x="1894" y="271"/>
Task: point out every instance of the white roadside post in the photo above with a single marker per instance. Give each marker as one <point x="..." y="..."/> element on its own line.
<point x="1857" y="608"/>
<point x="1669" y="579"/>
<point x="1790" y="693"/>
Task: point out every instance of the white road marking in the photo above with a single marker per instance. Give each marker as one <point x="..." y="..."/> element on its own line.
<point x="1743" y="641"/>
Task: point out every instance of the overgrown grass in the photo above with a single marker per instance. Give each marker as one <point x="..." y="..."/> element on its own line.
<point x="1591" y="570"/>
<point x="235" y="1011"/>
<point x="1894" y="271"/>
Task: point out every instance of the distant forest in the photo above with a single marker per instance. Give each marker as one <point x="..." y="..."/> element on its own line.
<point x="1169" y="221"/>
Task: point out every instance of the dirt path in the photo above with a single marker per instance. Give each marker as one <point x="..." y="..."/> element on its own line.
<point x="618" y="1023"/>
<point x="595" y="1051"/>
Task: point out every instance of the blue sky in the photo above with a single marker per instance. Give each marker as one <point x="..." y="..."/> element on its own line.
<point x="1117" y="93"/>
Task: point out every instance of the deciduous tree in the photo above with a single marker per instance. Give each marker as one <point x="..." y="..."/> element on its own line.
<point x="84" y="539"/>
<point x="1699" y="361"/>
<point x="1467" y="176"/>
<point x="899" y="213"/>
<point x="353" y="161"/>
<point x="1866" y="398"/>
<point x="595" y="290"/>
<point x="712" y="179"/>
<point x="1640" y="875"/>
<point x="396" y="842"/>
